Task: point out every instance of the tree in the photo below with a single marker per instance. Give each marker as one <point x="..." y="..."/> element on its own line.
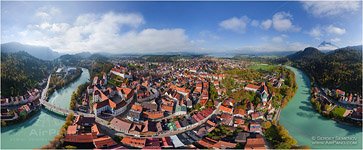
<point x="197" y="106"/>
<point x="266" y="124"/>
<point x="213" y="92"/>
<point x="210" y="104"/>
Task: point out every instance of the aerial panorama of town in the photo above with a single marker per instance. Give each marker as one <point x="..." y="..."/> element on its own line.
<point x="185" y="75"/>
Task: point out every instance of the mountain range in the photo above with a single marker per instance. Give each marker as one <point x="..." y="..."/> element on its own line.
<point x="44" y="53"/>
<point x="327" y="46"/>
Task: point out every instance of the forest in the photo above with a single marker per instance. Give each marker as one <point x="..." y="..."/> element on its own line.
<point x="341" y="68"/>
<point x="20" y="72"/>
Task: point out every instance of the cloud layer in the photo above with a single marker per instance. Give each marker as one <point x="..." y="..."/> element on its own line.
<point x="330" y="8"/>
<point x="327" y="31"/>
<point x="235" y="24"/>
<point x="110" y="32"/>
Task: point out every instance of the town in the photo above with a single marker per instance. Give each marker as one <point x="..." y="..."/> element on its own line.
<point x="186" y="104"/>
<point x="181" y="75"/>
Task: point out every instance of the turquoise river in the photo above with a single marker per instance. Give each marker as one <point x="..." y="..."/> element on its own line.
<point x="42" y="127"/>
<point x="310" y="128"/>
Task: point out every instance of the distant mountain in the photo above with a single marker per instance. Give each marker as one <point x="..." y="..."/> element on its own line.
<point x="21" y="71"/>
<point x="351" y="54"/>
<point x="69" y="60"/>
<point x="307" y="53"/>
<point x="83" y="54"/>
<point x="341" y="68"/>
<point x="327" y="46"/>
<point x="40" y="52"/>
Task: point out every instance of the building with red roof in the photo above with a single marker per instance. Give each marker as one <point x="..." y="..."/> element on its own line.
<point x="104" y="142"/>
<point x="239" y="112"/>
<point x="134" y="142"/>
<point x="255" y="143"/>
<point x="225" y="109"/>
<point x="251" y="87"/>
<point x="153" y="114"/>
<point x="120" y="125"/>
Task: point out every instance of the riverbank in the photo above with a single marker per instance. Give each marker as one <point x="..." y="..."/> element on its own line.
<point x="306" y="125"/>
<point x="21" y="119"/>
<point x="333" y="112"/>
<point x="38" y="130"/>
<point x="57" y="83"/>
<point x="275" y="133"/>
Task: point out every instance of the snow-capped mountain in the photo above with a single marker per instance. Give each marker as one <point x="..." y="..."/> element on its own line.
<point x="327" y="46"/>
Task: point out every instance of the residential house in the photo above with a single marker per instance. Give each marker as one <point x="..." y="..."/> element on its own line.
<point x="104" y="142"/>
<point x="134" y="142"/>
<point x="255" y="127"/>
<point x="239" y="112"/>
<point x="153" y="114"/>
<point x="251" y="87"/>
<point x="255" y="143"/>
<point x="120" y="125"/>
<point x="225" y="109"/>
<point x="135" y="112"/>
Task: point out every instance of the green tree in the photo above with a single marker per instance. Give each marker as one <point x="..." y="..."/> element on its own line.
<point x="266" y="124"/>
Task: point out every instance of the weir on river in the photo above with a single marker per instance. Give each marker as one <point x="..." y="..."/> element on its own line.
<point x="309" y="127"/>
<point x="41" y="128"/>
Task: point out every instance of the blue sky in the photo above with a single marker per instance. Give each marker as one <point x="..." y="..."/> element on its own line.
<point x="124" y="27"/>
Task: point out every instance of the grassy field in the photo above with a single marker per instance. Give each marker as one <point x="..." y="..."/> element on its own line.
<point x="262" y="67"/>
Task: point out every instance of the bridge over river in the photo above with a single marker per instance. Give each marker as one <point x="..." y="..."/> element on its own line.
<point x="39" y="129"/>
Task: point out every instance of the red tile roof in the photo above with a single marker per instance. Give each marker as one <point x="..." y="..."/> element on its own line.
<point x="134" y="142"/>
<point x="225" y="109"/>
<point x="255" y="143"/>
<point x="79" y="138"/>
<point x="120" y="124"/>
<point x="137" y="107"/>
<point x="153" y="114"/>
<point x="210" y="143"/>
<point x="255" y="87"/>
<point x="166" y="142"/>
<point x="103" y="96"/>
<point x="72" y="129"/>
<point x="104" y="142"/>
<point x="239" y="111"/>
<point x="105" y="103"/>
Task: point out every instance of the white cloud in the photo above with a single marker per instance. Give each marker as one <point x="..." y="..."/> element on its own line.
<point x="266" y="24"/>
<point x="282" y="21"/>
<point x="205" y="34"/>
<point x="235" y="24"/>
<point x="335" y="30"/>
<point x="335" y="40"/>
<point x="270" y="47"/>
<point x="279" y="39"/>
<point x="330" y="8"/>
<point x="255" y="23"/>
<point x="47" y="13"/>
<point x="109" y="32"/>
<point x="326" y="32"/>
<point x="315" y="32"/>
